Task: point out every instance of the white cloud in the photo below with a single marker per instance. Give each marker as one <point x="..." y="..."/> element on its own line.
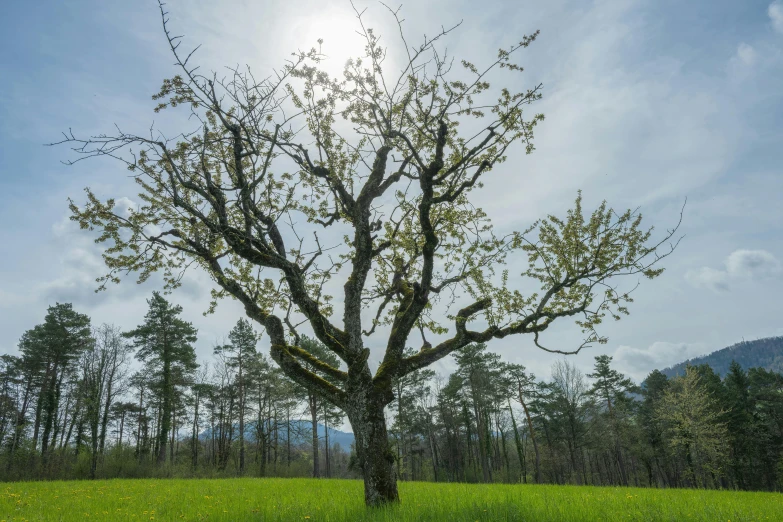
<point x="740" y="264"/>
<point x="638" y="362"/>
<point x="742" y="63"/>
<point x="707" y="277"/>
<point x="63" y="227"/>
<point x="124" y="206"/>
<point x="775" y="12"/>
<point x="78" y="262"/>
<point x="610" y="114"/>
<point x="746" y="54"/>
<point x="752" y="264"/>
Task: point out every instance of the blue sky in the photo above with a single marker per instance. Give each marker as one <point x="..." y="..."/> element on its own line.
<point x="647" y="103"/>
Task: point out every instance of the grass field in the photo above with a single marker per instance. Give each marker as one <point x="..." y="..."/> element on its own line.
<point x="316" y="500"/>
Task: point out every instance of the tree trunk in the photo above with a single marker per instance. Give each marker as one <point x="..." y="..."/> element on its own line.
<point x="482" y="429"/>
<point x="138" y="427"/>
<point x="49" y="412"/>
<point x="105" y="416"/>
<point x="618" y="448"/>
<point x="95" y="442"/>
<point x="373" y="451"/>
<point x="171" y="440"/>
<point x="165" y="421"/>
<point x="241" y="424"/>
<point x="519" y="446"/>
<point x="230" y="431"/>
<point x="433" y="449"/>
<point x="79" y="435"/>
<point x="468" y="435"/>
<point x="21" y="420"/>
<point x="501" y="439"/>
<point x="65" y="420"/>
<point x="261" y="432"/>
<point x="194" y="441"/>
<point x="314" y="416"/>
<point x="67" y="438"/>
<point x="326" y="442"/>
<point x="398" y="437"/>
<point x="122" y="425"/>
<point x="276" y="428"/>
<point x="288" y="437"/>
<point x="38" y="415"/>
<point x="532" y="438"/>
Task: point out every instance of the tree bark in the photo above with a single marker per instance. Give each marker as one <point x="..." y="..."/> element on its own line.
<point x="165" y="421"/>
<point x="519" y="446"/>
<point x="433" y="449"/>
<point x="373" y="451"/>
<point x="288" y="437"/>
<point x="95" y="443"/>
<point x="105" y="416"/>
<point x="532" y="437"/>
<point x="138" y="426"/>
<point x="49" y="411"/>
<point x="326" y="443"/>
<point x="122" y="425"/>
<point x="195" y="441"/>
<point x="314" y="415"/>
<point x="172" y="439"/>
<point x="483" y="433"/>
<point x="38" y="414"/>
<point x="21" y="420"/>
<point x="241" y="418"/>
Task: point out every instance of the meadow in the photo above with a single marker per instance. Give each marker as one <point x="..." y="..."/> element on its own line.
<point x="336" y="500"/>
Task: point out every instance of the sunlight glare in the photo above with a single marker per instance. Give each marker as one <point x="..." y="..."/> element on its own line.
<point x="341" y="40"/>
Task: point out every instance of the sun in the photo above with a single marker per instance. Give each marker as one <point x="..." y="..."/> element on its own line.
<point x="339" y="31"/>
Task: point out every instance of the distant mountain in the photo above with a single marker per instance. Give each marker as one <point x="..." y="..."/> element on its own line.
<point x="300" y="433"/>
<point x="761" y="353"/>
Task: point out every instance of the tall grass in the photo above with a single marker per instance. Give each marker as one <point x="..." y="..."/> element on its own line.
<point x="337" y="500"/>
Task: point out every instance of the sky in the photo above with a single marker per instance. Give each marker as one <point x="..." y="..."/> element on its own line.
<point x="647" y="103"/>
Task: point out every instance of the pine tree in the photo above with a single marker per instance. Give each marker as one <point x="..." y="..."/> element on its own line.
<point x="653" y="389"/>
<point x="51" y="349"/>
<point x="480" y="371"/>
<point x="523" y="385"/>
<point x="166" y="343"/>
<point x="740" y="423"/>
<point x="613" y="388"/>
<point x="239" y="353"/>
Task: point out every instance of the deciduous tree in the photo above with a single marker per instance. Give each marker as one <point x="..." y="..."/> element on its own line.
<point x="693" y="422"/>
<point x="389" y="159"/>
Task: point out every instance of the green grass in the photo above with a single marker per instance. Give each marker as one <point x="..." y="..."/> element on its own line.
<point x="317" y="500"/>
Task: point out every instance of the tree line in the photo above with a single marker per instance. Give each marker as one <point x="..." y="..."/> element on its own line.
<point x="74" y="405"/>
<point x="491" y="421"/>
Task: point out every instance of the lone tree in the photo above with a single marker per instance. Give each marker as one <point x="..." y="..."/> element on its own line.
<point x="289" y="183"/>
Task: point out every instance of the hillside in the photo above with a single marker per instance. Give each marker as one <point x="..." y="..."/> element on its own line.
<point x="300" y="433"/>
<point x="765" y="353"/>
